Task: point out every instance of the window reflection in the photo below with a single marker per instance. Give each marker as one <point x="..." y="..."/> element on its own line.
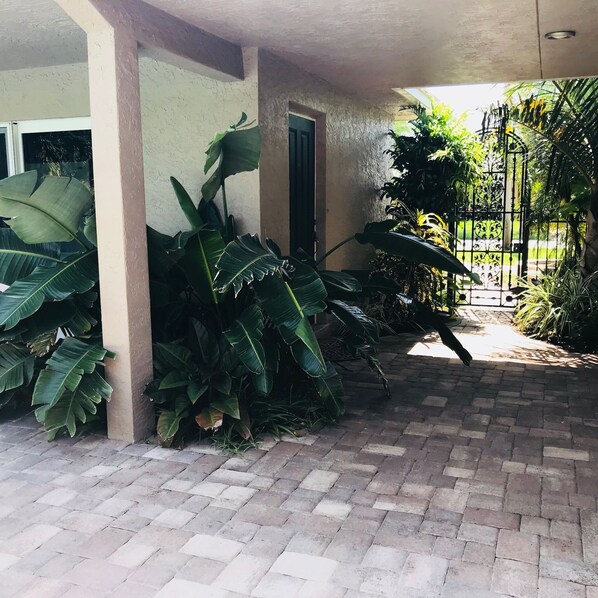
<point x="59" y="153"/>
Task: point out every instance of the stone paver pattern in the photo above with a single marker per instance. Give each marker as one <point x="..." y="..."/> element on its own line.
<point x="472" y="482"/>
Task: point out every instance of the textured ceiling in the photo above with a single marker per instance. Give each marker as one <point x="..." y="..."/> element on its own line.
<point x="38" y="33"/>
<point x="367" y="47"/>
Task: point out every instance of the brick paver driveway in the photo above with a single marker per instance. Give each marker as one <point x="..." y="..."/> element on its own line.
<point x="469" y="482"/>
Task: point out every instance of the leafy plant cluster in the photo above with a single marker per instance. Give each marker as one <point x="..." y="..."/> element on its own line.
<point x="562" y="307"/>
<point x="233" y="317"/>
<point x="426" y="284"/>
<point x="437" y="160"/>
<point x="50" y="334"/>
<point x="559" y="120"/>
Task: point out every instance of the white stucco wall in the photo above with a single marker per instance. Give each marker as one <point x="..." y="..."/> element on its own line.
<point x="49" y="92"/>
<point x="181" y="112"/>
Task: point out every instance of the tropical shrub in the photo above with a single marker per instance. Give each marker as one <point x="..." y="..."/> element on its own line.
<point x="50" y="331"/>
<point x="562" y="307"/>
<point x="424" y="283"/>
<point x="233" y="317"/>
<point x="436" y="161"/>
<point x="561" y="118"/>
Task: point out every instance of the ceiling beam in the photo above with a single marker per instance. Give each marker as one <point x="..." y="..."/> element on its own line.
<point x="164" y="36"/>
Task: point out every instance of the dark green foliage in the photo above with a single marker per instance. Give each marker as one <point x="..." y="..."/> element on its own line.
<point x="562" y="307"/>
<point x="232" y="318"/>
<point x="422" y="282"/>
<point x="561" y="118"/>
<point x="437" y="159"/>
<point x="48" y="260"/>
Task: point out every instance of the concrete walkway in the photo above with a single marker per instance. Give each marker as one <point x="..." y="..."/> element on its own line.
<point x="470" y="482"/>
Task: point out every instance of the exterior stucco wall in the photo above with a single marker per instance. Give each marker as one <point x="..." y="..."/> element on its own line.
<point x="181" y="112"/>
<point x="49" y="92"/>
<point x="355" y="164"/>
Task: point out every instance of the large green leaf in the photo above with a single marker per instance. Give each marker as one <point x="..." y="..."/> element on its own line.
<point x="405" y="244"/>
<point x="202" y="252"/>
<point x="290" y="303"/>
<point x="207" y="344"/>
<point x="167" y="427"/>
<point x="236" y="150"/>
<point x="70" y="377"/>
<point x="308" y="288"/>
<point x="244" y="335"/>
<point x="187" y="205"/>
<point x="171" y="356"/>
<point x="306" y="351"/>
<point x="264" y="382"/>
<point x="290" y="313"/>
<point x="18" y="259"/>
<point x="77" y="406"/>
<point x="162" y="256"/>
<point x="16" y="366"/>
<point x="174" y="379"/>
<point x="228" y="405"/>
<point x="355" y="320"/>
<point x="52" y="212"/>
<point x="340" y="285"/>
<point x="77" y="274"/>
<point x="244" y="261"/>
<point x="330" y="389"/>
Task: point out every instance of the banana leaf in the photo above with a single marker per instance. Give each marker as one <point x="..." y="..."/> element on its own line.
<point x="76" y="274"/>
<point x="244" y="261"/>
<point x="244" y="335"/>
<point x="236" y="150"/>
<point x="403" y="243"/>
<point x="71" y="380"/>
<point x="330" y="389"/>
<point x="340" y="285"/>
<point x="187" y="205"/>
<point x="16" y="366"/>
<point x="202" y="252"/>
<point x="355" y="320"/>
<point x="18" y="259"/>
<point x="49" y="213"/>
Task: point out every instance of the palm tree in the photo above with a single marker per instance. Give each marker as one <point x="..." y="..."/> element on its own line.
<point x="562" y="117"/>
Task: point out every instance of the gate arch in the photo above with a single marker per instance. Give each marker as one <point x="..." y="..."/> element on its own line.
<point x="491" y="228"/>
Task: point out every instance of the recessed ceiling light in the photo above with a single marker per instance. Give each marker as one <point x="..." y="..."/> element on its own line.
<point x="563" y="34"/>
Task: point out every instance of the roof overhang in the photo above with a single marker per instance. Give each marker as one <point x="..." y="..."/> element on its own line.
<point x="367" y="48"/>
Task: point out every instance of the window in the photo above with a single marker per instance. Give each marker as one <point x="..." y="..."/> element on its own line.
<point x="60" y="146"/>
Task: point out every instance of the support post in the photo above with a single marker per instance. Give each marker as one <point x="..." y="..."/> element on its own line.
<point x="121" y="227"/>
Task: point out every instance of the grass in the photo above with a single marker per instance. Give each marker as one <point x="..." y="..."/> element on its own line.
<point x="539" y="254"/>
<point x="537" y="232"/>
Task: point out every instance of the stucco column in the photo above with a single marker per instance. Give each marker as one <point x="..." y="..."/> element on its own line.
<point x="121" y="227"/>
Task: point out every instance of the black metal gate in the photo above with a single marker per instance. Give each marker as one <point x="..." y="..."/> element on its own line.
<point x="491" y="230"/>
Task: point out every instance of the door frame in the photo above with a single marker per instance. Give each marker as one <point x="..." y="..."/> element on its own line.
<point x="319" y="118"/>
<point x="10" y="146"/>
